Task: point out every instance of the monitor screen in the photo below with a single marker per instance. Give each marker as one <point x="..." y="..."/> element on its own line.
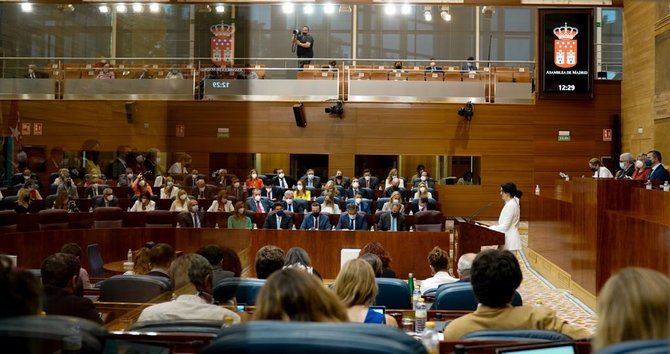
<point x="540" y="349"/>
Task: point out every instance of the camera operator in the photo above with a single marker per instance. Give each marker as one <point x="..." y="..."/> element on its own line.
<point x="305" y="45"/>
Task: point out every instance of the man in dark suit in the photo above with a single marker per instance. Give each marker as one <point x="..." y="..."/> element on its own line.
<point x="22" y="178"/>
<point x="433" y="68"/>
<point x="271" y="192"/>
<point x="282" y="181"/>
<point x="393" y="221"/>
<point x="361" y="205"/>
<point x="355" y="188"/>
<point x="658" y="171"/>
<point x="258" y="204"/>
<point x="368" y="180"/>
<point x="422" y="205"/>
<point x="107" y="199"/>
<point x="395" y="187"/>
<point x="63" y="289"/>
<point x="193" y="218"/>
<point x="202" y="190"/>
<point x="340" y="180"/>
<point x="315" y="220"/>
<point x="310" y="180"/>
<point x="191" y="179"/>
<point x="214" y="255"/>
<point x="34" y="74"/>
<point x="93" y="190"/>
<point x="627" y="165"/>
<point x="160" y="257"/>
<point x="278" y="220"/>
<point x="289" y="204"/>
<point x="351" y="220"/>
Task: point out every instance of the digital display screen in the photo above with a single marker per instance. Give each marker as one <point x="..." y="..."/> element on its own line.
<point x="566" y="53"/>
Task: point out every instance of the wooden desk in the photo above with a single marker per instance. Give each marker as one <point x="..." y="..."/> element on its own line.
<point x="469" y="237"/>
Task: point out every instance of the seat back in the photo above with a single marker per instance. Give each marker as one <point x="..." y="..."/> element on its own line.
<point x="50" y="200"/>
<point x="107" y="217"/>
<point x="133" y="288"/>
<point x="9" y="202"/>
<point x="463" y="298"/>
<point x="52" y="219"/>
<point x="95" y="261"/>
<point x="8" y="220"/>
<point x="393" y="293"/>
<point x="159" y="218"/>
<point x="260" y="337"/>
<point x="245" y="290"/>
<point x="518" y="334"/>
<point x="430" y="220"/>
<point x="178" y="326"/>
<point x="638" y="346"/>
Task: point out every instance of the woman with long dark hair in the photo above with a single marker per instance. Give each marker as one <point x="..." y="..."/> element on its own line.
<point x="508" y="222"/>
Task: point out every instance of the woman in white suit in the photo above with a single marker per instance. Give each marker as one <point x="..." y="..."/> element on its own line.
<point x="508" y="222"/>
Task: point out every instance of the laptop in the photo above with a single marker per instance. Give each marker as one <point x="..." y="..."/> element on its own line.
<point x="548" y="348"/>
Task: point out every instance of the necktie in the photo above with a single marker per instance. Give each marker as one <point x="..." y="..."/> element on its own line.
<point x="278" y="222"/>
<point x="359" y="207"/>
<point x="95" y="192"/>
<point x="196" y="221"/>
<point x="259" y="207"/>
<point x="316" y="222"/>
<point x="351" y="224"/>
<point x="394" y="226"/>
<point x="290" y="207"/>
<point x="283" y="183"/>
<point x="310" y="183"/>
<point x="270" y="195"/>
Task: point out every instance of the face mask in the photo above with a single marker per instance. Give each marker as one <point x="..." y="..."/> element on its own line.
<point x="648" y="162"/>
<point x="299" y="187"/>
<point x="367" y="178"/>
<point x="289" y="201"/>
<point x="358" y="200"/>
<point x="253" y="175"/>
<point x="182" y="197"/>
<point x="639" y="164"/>
<point x="145" y="201"/>
<point x="310" y="176"/>
<point x="236" y="185"/>
<point x="240" y="210"/>
<point x="423" y="178"/>
<point x="395" y="214"/>
<point x="281" y="175"/>
<point x="352" y="216"/>
<point x="158" y="160"/>
<point x="355" y="184"/>
<point x="268" y="188"/>
<point x="594" y="169"/>
<point x="339" y="177"/>
<point x="201" y="189"/>
<point x="142" y="183"/>
<point x="130" y="175"/>
<point x="396" y="201"/>
<point x="257" y="198"/>
<point x="170" y="184"/>
<point x="622" y="165"/>
<point x="315" y="213"/>
<point x="110" y="198"/>
<point x="140" y="159"/>
<point x="95" y="185"/>
<point x="280" y="213"/>
<point x="195" y="208"/>
<point x="432" y="63"/>
<point x="394" y="176"/>
<point x="423" y="189"/>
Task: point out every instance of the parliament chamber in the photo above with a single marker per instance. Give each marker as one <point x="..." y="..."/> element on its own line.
<point x="346" y="177"/>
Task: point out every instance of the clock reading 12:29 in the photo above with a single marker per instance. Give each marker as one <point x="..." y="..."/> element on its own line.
<point x="566" y="53"/>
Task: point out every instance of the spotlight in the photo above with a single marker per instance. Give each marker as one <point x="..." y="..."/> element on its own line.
<point x="103" y="9"/>
<point x="337" y="109"/>
<point x="389" y="9"/>
<point x="137" y="8"/>
<point x="405" y="9"/>
<point x="488" y="11"/>
<point x="446" y="16"/>
<point x="468" y="111"/>
<point x="427" y="14"/>
<point x="121" y="8"/>
<point x="308" y="9"/>
<point x="329" y="8"/>
<point x="26" y="7"/>
<point x="220" y="8"/>
<point x="154" y="7"/>
<point x="287" y="8"/>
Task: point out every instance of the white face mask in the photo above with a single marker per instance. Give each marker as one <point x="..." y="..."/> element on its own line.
<point x="639" y="164"/>
<point x="289" y="201"/>
<point x="622" y="165"/>
<point x="110" y="198"/>
<point x="355" y="184"/>
<point x="396" y="201"/>
<point x="367" y="178"/>
<point x="195" y="208"/>
<point x="182" y="197"/>
<point x="423" y="189"/>
<point x="281" y="175"/>
<point x="432" y="63"/>
<point x="300" y="187"/>
<point x="130" y="175"/>
<point x="170" y="184"/>
<point x="268" y="188"/>
<point x="158" y="160"/>
<point x="423" y="178"/>
<point x="253" y="175"/>
<point x="236" y="185"/>
<point x="257" y="197"/>
<point x="95" y="185"/>
<point x="310" y="176"/>
<point x="142" y="183"/>
<point x="358" y="200"/>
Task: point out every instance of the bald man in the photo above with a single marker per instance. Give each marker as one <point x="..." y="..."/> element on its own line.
<point x="464" y="266"/>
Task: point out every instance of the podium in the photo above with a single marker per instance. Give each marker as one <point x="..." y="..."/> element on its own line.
<point x="469" y="237"/>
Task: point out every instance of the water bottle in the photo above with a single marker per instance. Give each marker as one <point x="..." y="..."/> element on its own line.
<point x="216" y="226"/>
<point x="537" y="189"/>
<point x="430" y="339"/>
<point x="255" y="226"/>
<point x="178" y="226"/>
<point x="416" y="297"/>
<point x="666" y="187"/>
<point x="648" y="185"/>
<point x="411" y="212"/>
<point x="130" y="255"/>
<point x="410" y="283"/>
<point x="420" y="314"/>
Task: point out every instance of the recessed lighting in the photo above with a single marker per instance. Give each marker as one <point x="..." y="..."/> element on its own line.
<point x="220" y="8"/>
<point x="103" y="9"/>
<point x="121" y="8"/>
<point x="389" y="9"/>
<point x="329" y="8"/>
<point x="446" y="16"/>
<point x="405" y="9"/>
<point x="427" y="14"/>
<point x="137" y="7"/>
<point x="287" y="8"/>
<point x="154" y="7"/>
<point x="26" y="7"/>
<point x="308" y="9"/>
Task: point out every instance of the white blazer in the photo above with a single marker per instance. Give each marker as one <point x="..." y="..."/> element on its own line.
<point x="508" y="222"/>
<point x="138" y="206"/>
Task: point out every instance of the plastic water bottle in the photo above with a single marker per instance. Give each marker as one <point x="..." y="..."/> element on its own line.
<point x="537" y="189"/>
<point x="416" y="297"/>
<point x="430" y="338"/>
<point x="216" y="226"/>
<point x="666" y="187"/>
<point x="648" y="185"/>
<point x="178" y="226"/>
<point x="411" y="212"/>
<point x="420" y="314"/>
<point x="130" y="255"/>
<point x="255" y="226"/>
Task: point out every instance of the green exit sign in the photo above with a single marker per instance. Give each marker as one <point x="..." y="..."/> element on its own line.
<point x="563" y="135"/>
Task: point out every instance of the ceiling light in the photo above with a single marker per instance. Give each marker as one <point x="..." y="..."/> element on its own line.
<point x="308" y="9"/>
<point x="446" y="16"/>
<point x="154" y="7"/>
<point x="328" y="8"/>
<point x="389" y="9"/>
<point x="405" y="9"/>
<point x="427" y="15"/>
<point x="137" y="8"/>
<point x="287" y="8"/>
<point x="121" y="8"/>
<point x="103" y="9"/>
<point x="26" y="7"/>
<point x="220" y="8"/>
<point x="345" y="9"/>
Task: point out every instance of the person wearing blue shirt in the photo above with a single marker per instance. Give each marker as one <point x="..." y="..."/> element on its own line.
<point x="351" y="220"/>
<point x="315" y="220"/>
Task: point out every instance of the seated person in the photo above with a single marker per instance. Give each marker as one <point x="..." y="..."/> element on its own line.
<point x="432" y="67"/>
<point x="239" y="219"/>
<point x="424" y="178"/>
<point x="269" y="259"/>
<point x="174" y="74"/>
<point x="271" y="192"/>
<point x="467" y="179"/>
<point x="599" y="171"/>
<point x="393" y="174"/>
<point x="423" y="192"/>
<point x="30" y="188"/>
<point x="191" y="179"/>
<point x="33" y="73"/>
<point x="253" y="181"/>
<point x="62" y="202"/>
<point x="23" y="203"/>
<point x="194" y="306"/>
<point x="144" y="203"/>
<point x="75" y="250"/>
<point x="247" y="73"/>
<point x="633" y="305"/>
<point x="290" y="205"/>
<point x="642" y="168"/>
<point x="356" y="286"/>
<point x="352" y="220"/>
<point x="108" y="199"/>
<point x="330" y="189"/>
<point x="180" y="203"/>
<point x="297" y="257"/>
<point x="140" y="186"/>
<point x="395" y="199"/>
<point x="439" y="268"/>
<point x="202" y="190"/>
<point x="282" y="181"/>
<point x="340" y="180"/>
<point x="214" y="255"/>
<point x="63" y="289"/>
<point x="393" y="221"/>
<point x="362" y="205"/>
<point x="222" y="178"/>
<point x="160" y="257"/>
<point x="169" y="191"/>
<point x="658" y="171"/>
<point x="141" y="260"/>
<point x="422" y="205"/>
<point x="93" y="190"/>
<point x="301" y="192"/>
<point x="21" y="291"/>
<point x="309" y="180"/>
<point x="464" y="267"/>
<point x="374" y="262"/>
<point x="278" y="219"/>
<point x="495" y="277"/>
<point x="315" y="220"/>
<point x="329" y="206"/>
<point x="68" y="186"/>
<point x="192" y="217"/>
<point x="395" y="187"/>
<point x="236" y="190"/>
<point x="24" y="177"/>
<point x="376" y="249"/>
<point x="125" y="179"/>
<point x="294" y="295"/>
<point x="368" y="181"/>
<point x="221" y="204"/>
<point x="258" y="204"/>
<point x="356" y="189"/>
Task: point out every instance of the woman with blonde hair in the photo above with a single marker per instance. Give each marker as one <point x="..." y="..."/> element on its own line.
<point x="294" y="295"/>
<point x="396" y="198"/>
<point x="423" y="192"/>
<point x="634" y="304"/>
<point x="169" y="191"/>
<point x="181" y="202"/>
<point x="392" y="175"/>
<point x="329" y="206"/>
<point x="330" y="189"/>
<point x="357" y="288"/>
